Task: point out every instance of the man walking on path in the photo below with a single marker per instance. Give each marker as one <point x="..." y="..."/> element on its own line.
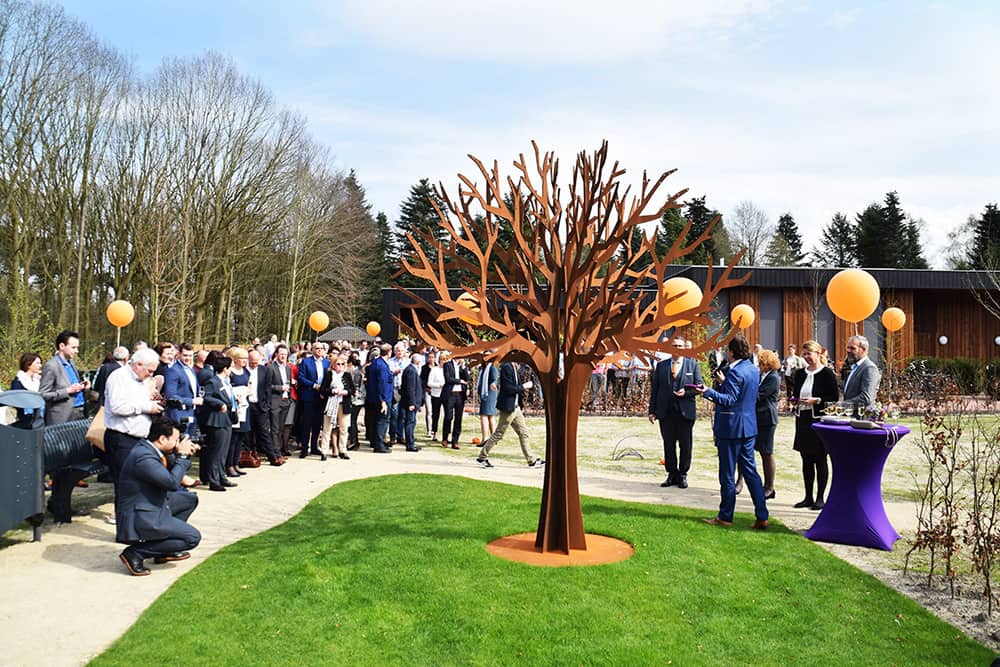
<point x="509" y="410"/>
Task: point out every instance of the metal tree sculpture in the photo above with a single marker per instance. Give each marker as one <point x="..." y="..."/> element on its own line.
<point x="561" y="294"/>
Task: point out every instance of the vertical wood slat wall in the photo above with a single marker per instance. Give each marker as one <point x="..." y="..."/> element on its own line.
<point x="904" y="340"/>
<point x="797" y="318"/>
<point x="751" y="297"/>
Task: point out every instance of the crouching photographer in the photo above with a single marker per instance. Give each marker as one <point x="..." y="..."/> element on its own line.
<point x="152" y="508"/>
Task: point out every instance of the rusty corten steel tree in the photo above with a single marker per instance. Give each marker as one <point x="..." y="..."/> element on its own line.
<point x="566" y="287"/>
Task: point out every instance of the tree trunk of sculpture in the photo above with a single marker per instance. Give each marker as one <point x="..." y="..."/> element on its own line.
<point x="560" y="520"/>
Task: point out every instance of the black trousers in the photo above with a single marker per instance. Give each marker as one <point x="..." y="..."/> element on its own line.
<point x="117" y="446"/>
<point x="213" y="454"/>
<point x="260" y="431"/>
<point x="311" y="425"/>
<point x="278" y="416"/>
<point x="352" y="434"/>
<point x="454" y="408"/>
<point x="676" y="433"/>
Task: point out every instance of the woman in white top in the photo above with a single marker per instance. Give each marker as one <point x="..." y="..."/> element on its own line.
<point x="815" y="388"/>
<point x="337" y="413"/>
<point x="435" y="383"/>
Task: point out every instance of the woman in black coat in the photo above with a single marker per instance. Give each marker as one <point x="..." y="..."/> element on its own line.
<point x="216" y="416"/>
<point x="767" y="414"/>
<point x="815" y="389"/>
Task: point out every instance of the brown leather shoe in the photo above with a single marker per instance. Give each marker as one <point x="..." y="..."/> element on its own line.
<point x="760" y="524"/>
<point x="716" y="521"/>
<point x="278" y="461"/>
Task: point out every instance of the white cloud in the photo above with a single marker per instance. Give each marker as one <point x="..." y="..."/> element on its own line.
<point x="560" y="31"/>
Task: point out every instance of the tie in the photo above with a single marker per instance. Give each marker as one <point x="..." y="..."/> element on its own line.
<point x="163" y="460"/>
<point x="676" y="366"/>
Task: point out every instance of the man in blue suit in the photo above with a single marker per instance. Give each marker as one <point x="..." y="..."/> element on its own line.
<point x="378" y="398"/>
<point x="311" y="372"/>
<point x="150" y="508"/>
<point x="180" y="388"/>
<point x="735" y="430"/>
<point x="673" y="406"/>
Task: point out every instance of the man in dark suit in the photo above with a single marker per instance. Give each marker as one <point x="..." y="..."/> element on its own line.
<point x="378" y="398"/>
<point x="453" y="395"/>
<point x="147" y="519"/>
<point x="861" y="386"/>
<point x="311" y="372"/>
<point x="674" y="407"/>
<point x="509" y="397"/>
<point x="61" y="386"/>
<point x="735" y="429"/>
<point x="280" y="380"/>
<point x="411" y="397"/>
<point x="180" y="388"/>
<point x="259" y="399"/>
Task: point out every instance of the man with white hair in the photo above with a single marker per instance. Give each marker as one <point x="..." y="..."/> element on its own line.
<point x="861" y="386"/>
<point x="129" y="408"/>
<point x="397" y="364"/>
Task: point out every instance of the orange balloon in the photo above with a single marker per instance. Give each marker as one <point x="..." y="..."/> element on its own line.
<point x="472" y="303"/>
<point x="120" y="313"/>
<point x="742" y="316"/>
<point x="893" y="319"/>
<point x="852" y="295"/>
<point x="318" y="321"/>
<point x="691" y="298"/>
<point x="373" y="328"/>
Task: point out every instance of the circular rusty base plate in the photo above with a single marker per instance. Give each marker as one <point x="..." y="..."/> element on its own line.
<point x="600" y="550"/>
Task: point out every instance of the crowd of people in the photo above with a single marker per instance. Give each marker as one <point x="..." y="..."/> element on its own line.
<point x="746" y="388"/>
<point x="241" y="405"/>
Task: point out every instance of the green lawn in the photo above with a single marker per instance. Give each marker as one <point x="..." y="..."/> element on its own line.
<point x="393" y="570"/>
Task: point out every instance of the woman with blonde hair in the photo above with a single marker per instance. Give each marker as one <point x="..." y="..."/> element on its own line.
<point x="815" y="387"/>
<point x="768" y="392"/>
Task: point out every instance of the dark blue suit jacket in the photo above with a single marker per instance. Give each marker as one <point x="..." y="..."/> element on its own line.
<point x="177" y="387"/>
<point x="662" y="402"/>
<point x="310" y="374"/>
<point x="736" y="402"/>
<point x="511" y="390"/>
<point x="411" y="391"/>
<point x="143" y="512"/>
<point x="378" y="383"/>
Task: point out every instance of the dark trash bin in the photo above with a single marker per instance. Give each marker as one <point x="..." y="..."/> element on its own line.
<point x="21" y="466"/>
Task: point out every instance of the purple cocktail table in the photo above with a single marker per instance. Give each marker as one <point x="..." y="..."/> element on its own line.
<point x="854" y="512"/>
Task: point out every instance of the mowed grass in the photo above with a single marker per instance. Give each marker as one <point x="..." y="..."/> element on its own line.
<point x="393" y="571"/>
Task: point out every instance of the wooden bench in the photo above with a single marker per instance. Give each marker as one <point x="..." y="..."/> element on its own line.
<point x="68" y="458"/>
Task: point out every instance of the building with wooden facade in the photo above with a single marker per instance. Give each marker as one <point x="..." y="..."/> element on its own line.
<point x="944" y="318"/>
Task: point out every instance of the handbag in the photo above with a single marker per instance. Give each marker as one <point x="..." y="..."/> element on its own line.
<point x="95" y="432"/>
<point x="249" y="459"/>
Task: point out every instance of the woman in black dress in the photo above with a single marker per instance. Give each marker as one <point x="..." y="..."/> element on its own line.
<point x="815" y="389"/>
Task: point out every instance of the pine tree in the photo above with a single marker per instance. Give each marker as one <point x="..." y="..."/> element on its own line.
<point x="875" y="246"/>
<point x="912" y="250"/>
<point x="701" y="216"/>
<point x="671" y="225"/>
<point x="416" y="215"/>
<point x="778" y="253"/>
<point x="985" y="251"/>
<point x="788" y="230"/>
<point x="837" y="246"/>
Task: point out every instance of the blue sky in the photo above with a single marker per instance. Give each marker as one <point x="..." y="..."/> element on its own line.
<point x="807" y="107"/>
